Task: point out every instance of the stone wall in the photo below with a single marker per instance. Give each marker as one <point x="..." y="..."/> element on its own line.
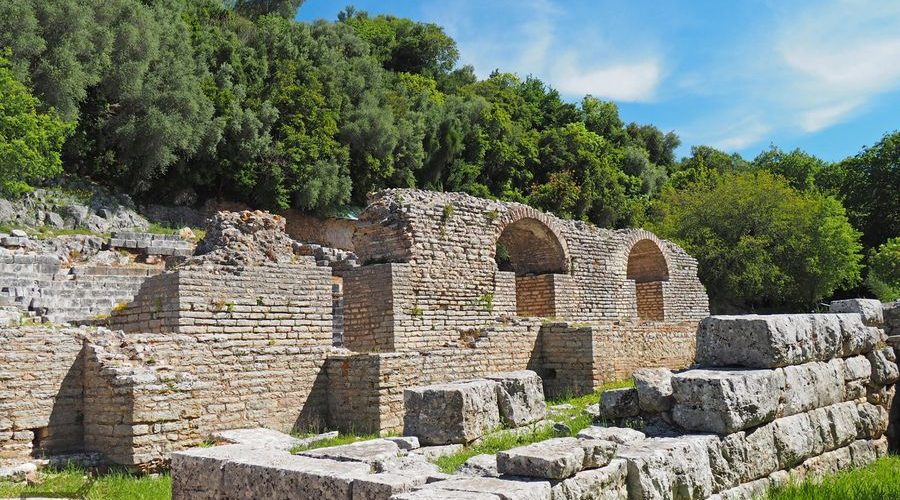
<point x="452" y="281"/>
<point x="578" y="358"/>
<point x="40" y="391"/>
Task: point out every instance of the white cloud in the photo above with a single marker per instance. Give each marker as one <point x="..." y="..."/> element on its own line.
<point x="815" y="119"/>
<point x="621" y="82"/>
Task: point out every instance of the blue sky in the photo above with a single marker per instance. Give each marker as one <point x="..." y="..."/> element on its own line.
<point x="738" y="75"/>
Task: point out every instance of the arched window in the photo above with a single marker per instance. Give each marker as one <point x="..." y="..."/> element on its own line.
<point x="647" y="267"/>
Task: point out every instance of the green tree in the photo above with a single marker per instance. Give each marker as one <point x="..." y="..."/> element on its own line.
<point x="30" y="140"/>
<point x="255" y="8"/>
<point x="798" y="167"/>
<point x="760" y="243"/>
<point x="884" y="270"/>
<point x="703" y="163"/>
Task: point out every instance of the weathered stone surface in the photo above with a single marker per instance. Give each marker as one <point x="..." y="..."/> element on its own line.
<point x="383" y="486"/>
<point x="726" y="401"/>
<point x="654" y="387"/>
<point x="778" y="340"/>
<point x="17" y="472"/>
<point x="884" y="366"/>
<point x="872" y="421"/>
<point x="242" y="472"/>
<point x="405" y="443"/>
<point x="505" y="488"/>
<point x="415" y="466"/>
<point x="619" y="403"/>
<point x="747" y="491"/>
<point x="812" y="385"/>
<point x="869" y="309"/>
<point x="458" y="412"/>
<point x="433" y="494"/>
<point x="605" y="483"/>
<point x="619" y="435"/>
<point x="556" y="458"/>
<point x="484" y="465"/>
<point x="809" y="434"/>
<point x="668" y="468"/>
<point x="258" y="437"/>
<point x="742" y="457"/>
<point x="371" y="451"/>
<point x="433" y="452"/>
<point x="597" y="452"/>
<point x="857" y="373"/>
<point x="520" y="395"/>
<point x="244" y="238"/>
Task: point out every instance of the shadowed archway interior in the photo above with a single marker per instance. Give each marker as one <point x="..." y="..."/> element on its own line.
<point x="648" y="269"/>
<point x="531" y="250"/>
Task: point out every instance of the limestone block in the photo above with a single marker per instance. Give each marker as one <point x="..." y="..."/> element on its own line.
<point x="864" y="451"/>
<point x="409" y="465"/>
<point x="668" y="468"/>
<point x="245" y="472"/>
<point x="870" y="310"/>
<point x="383" y="486"/>
<point x="857" y="374"/>
<point x="434" y="452"/>
<point x="826" y="464"/>
<point x="458" y="412"/>
<point x="480" y="465"/>
<point x="258" y="437"/>
<point x="797" y="438"/>
<point x="654" y="387"/>
<point x="742" y="457"/>
<point x="872" y="421"/>
<point x="619" y="403"/>
<point x="812" y="385"/>
<point x="520" y="395"/>
<point x="371" y="451"/>
<point x="619" y="435"/>
<point x="605" y="483"/>
<point x="884" y="366"/>
<point x="406" y="443"/>
<point x="726" y="401"/>
<point x="778" y="340"/>
<point x="505" y="488"/>
<point x="556" y="458"/>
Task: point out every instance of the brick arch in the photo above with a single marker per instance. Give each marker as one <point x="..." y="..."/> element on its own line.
<point x="647" y="264"/>
<point x="534" y="244"/>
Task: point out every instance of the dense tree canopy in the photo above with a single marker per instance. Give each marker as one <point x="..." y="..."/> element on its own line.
<point x="186" y="100"/>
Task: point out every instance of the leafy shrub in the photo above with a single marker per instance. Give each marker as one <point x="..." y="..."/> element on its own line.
<point x="884" y="270"/>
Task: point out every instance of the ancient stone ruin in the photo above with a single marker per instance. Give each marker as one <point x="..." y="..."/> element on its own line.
<point x="450" y="316"/>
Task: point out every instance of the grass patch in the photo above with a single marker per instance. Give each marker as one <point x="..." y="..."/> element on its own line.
<point x="573" y="417"/>
<point x="47" y="232"/>
<point x="878" y="480"/>
<point x="73" y="482"/>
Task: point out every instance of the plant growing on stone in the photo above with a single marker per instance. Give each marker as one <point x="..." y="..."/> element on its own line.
<point x="491" y="215"/>
<point x="416" y="311"/>
<point x="486" y="300"/>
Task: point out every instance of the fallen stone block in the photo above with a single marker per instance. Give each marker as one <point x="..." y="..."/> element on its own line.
<point x="870" y="310"/>
<point x="654" y="388"/>
<point x="445" y="495"/>
<point x="619" y="403"/>
<point x="434" y="452"/>
<point x="245" y="472"/>
<point x="726" y="401"/>
<point x="459" y="412"/>
<point x="619" y="435"/>
<point x="778" y="340"/>
<point x="371" y="451"/>
<point x="414" y="466"/>
<point x="484" y="465"/>
<point x="605" y="483"/>
<point x="666" y="468"/>
<point x="383" y="486"/>
<point x="556" y="458"/>
<point x="520" y="396"/>
<point x="405" y="443"/>
<point x="505" y="488"/>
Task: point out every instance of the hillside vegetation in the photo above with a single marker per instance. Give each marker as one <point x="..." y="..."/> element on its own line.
<point x="178" y="101"/>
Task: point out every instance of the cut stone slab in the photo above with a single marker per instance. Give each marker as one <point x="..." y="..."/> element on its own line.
<point x="619" y="403"/>
<point x="778" y="340"/>
<point x="383" y="486"/>
<point x="606" y="483"/>
<point x="459" y="412"/>
<point x="371" y="451"/>
<point x="484" y="465"/>
<point x="520" y="396"/>
<point x="812" y="385"/>
<point x="857" y="374"/>
<point x="742" y="457"/>
<point x="505" y="488"/>
<point x="665" y="468"/>
<point x="884" y="367"/>
<point x="556" y="458"/>
<point x="244" y="472"/>
<point x="654" y="388"/>
<point x="434" y="452"/>
<point x="726" y="401"/>
<point x="259" y="437"/>
<point x="415" y="466"/>
<point x="871" y="310"/>
<point x="619" y="435"/>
